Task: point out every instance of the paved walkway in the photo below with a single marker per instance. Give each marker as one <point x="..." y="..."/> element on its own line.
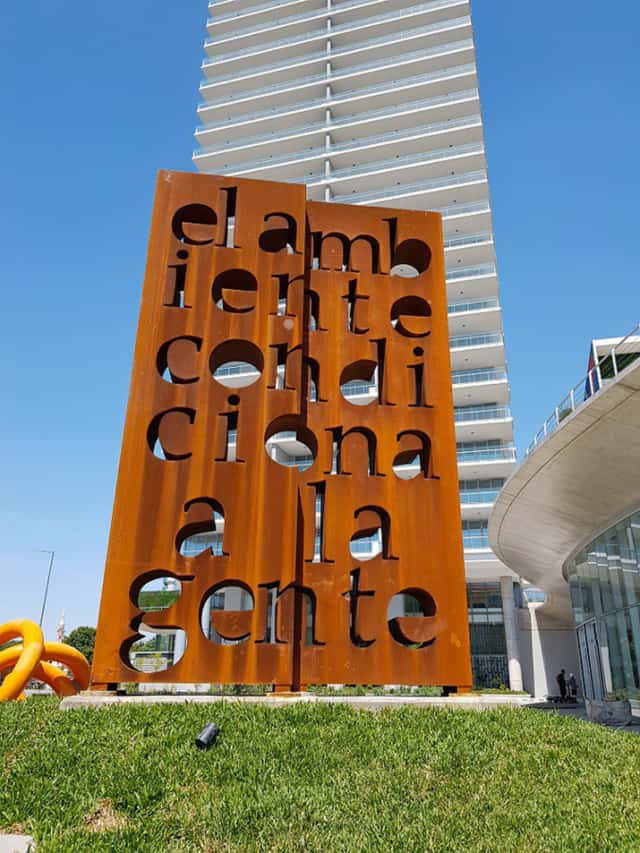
<point x="578" y="711"/>
<point x="16" y="844"/>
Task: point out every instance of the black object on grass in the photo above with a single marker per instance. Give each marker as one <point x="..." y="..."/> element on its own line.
<point x="207" y="736"/>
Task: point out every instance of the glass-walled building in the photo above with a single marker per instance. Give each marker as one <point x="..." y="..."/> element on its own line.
<point x="604" y="578"/>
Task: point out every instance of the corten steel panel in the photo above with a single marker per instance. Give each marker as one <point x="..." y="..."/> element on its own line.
<point x="424" y="548"/>
<point x="270" y="518"/>
<point x="255" y="494"/>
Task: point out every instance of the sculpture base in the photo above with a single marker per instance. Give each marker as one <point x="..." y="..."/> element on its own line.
<point x="470" y="701"/>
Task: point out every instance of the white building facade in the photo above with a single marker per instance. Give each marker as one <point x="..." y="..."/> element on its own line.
<point x="376" y="102"/>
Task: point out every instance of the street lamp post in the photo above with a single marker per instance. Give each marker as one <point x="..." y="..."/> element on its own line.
<point x="46" y="588"/>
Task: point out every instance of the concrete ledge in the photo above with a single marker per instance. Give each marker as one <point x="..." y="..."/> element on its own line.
<point x="474" y="702"/>
<point x="16" y="844"/>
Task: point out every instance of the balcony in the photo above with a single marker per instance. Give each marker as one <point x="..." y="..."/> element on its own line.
<point x="430" y="165"/>
<point x="485" y="497"/>
<point x="436" y="194"/>
<point x="483" y="422"/>
<point x="495" y="461"/>
<point x="282" y="30"/>
<point x="297" y="50"/>
<point x="386" y="116"/>
<point x="474" y="316"/>
<point x="472" y="282"/>
<point x="352" y="133"/>
<point x="470" y="272"/>
<point x="470" y="216"/>
<point x="236" y="374"/>
<point x="381" y="50"/>
<point x="294" y="95"/>
<point x="483" y="340"/>
<point x="475" y="540"/>
<point x="482" y="350"/>
<point x="360" y="393"/>
<point x="469" y="250"/>
<point x="490" y="453"/>
<point x="482" y="375"/>
<point x="288" y="166"/>
<point x="477" y="503"/>
<point x="216" y="21"/>
<point x="228" y="10"/>
<point x="256" y="15"/>
<point x="481" y="385"/>
<point x="296" y="140"/>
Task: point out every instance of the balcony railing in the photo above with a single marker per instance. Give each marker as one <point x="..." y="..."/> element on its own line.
<point x="453" y="210"/>
<point x="470" y="272"/>
<point x="401" y="133"/>
<point x="274" y="112"/>
<point x="489" y="374"/>
<point x="300" y="462"/>
<point x="488" y="454"/>
<point x="335" y="8"/>
<point x="469" y="240"/>
<point x="214" y="19"/>
<point x="237" y="368"/>
<point x="479" y="496"/>
<point x="477" y="176"/>
<point x="315" y="15"/>
<point x="397" y="135"/>
<point x="480" y="340"/>
<point x="607" y="369"/>
<point x="475" y="540"/>
<point x="359" y="389"/>
<point x="468" y="414"/>
<point x="292" y="158"/>
<point x="409" y="160"/>
<point x="390" y="38"/>
<point x="337" y="54"/>
<point x="473" y="305"/>
<point x="328" y="78"/>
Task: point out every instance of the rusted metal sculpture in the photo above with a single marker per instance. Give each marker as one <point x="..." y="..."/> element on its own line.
<point x="309" y="297"/>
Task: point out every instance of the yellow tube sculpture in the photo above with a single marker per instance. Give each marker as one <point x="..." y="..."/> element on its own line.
<point x="31" y="658"/>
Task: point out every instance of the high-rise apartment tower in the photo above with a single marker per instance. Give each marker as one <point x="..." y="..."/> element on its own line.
<point x="377" y="102"/>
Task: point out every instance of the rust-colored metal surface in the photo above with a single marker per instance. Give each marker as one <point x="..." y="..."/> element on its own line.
<point x="312" y="297"/>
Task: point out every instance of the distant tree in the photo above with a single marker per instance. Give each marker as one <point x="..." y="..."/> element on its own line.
<point x="148" y="645"/>
<point x="83" y="639"/>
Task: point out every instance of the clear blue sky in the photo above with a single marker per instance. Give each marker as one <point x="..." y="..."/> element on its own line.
<point x="96" y="97"/>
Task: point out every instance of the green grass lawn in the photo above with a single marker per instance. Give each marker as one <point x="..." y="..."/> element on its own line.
<point x="319" y="777"/>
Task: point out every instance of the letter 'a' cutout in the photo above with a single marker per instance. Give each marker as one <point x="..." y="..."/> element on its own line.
<point x="203" y="533"/>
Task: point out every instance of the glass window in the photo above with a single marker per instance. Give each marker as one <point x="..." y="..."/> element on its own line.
<point x="604" y="580"/>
